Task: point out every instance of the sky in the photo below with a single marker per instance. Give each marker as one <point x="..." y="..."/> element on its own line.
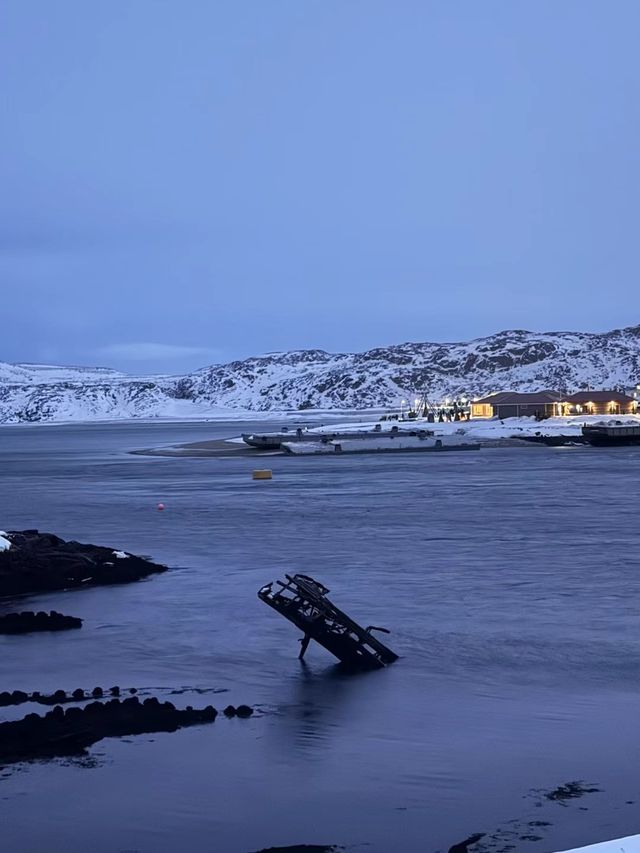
<point x="184" y="182"/>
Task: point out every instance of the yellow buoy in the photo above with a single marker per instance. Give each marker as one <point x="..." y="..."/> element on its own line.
<point x="262" y="474"/>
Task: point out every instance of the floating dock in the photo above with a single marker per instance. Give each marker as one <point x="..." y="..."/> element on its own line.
<point x="396" y="443"/>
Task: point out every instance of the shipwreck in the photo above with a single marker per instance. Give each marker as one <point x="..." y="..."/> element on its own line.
<point x="303" y="601"/>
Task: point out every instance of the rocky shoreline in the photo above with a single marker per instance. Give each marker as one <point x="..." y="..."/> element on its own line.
<point x="70" y="731"/>
<point x="35" y="562"/>
<point x="61" y="733"/>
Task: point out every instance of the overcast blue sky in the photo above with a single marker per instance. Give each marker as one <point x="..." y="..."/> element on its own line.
<point x="188" y="181"/>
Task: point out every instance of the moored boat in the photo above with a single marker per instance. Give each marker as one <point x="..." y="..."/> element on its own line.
<point x="273" y="440"/>
<point x="611" y="435"/>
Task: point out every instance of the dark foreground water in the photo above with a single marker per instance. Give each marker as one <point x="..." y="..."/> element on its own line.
<point x="509" y="579"/>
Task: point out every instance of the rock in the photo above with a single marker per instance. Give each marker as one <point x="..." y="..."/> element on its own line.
<point x="19" y="696"/>
<point x="115" y="691"/>
<point x="303" y="848"/>
<point x="59" y="733"/>
<point x="244" y="711"/>
<point x="78" y="694"/>
<point x="73" y="713"/>
<point x="463" y="846"/>
<point x="96" y="692"/>
<point x="27" y="622"/>
<point x="38" y="562"/>
<point x="571" y="791"/>
<point x="229" y="711"/>
<point x="15" y="698"/>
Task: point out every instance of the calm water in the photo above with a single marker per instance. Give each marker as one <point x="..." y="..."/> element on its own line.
<point x="509" y="579"/>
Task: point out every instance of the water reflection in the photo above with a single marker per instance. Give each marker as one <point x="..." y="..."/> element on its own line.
<point x="318" y="702"/>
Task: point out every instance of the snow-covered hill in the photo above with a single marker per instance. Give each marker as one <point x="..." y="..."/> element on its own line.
<point x="512" y="360"/>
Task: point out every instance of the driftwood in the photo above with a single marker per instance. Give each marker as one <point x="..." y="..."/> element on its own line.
<point x="303" y="601"/>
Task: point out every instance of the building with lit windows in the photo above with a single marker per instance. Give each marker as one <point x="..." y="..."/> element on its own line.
<point x="548" y="404"/>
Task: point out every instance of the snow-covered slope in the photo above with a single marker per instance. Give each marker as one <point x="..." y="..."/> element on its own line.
<point x="513" y="360"/>
<point x="37" y="374"/>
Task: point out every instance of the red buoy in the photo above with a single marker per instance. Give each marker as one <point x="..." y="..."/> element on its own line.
<point x="160" y="506"/>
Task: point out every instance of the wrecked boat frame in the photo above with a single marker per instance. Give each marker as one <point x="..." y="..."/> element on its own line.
<point x="303" y="601"/>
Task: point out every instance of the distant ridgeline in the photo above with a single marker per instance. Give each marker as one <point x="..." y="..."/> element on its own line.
<point x="313" y="379"/>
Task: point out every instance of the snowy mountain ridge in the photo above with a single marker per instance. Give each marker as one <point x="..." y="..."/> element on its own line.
<point x="315" y="379"/>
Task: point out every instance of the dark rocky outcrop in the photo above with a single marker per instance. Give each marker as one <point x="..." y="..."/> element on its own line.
<point x="570" y="791"/>
<point x="27" y="622"/>
<point x="61" y="697"/>
<point x="463" y="846"/>
<point x="70" y="732"/>
<point x="38" y="562"/>
<point x="303" y="848"/>
<point x="17" y="697"/>
<point x="243" y="711"/>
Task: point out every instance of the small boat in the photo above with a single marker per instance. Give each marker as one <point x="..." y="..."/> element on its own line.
<point x="611" y="435"/>
<point x="387" y="444"/>
<point x="272" y="440"/>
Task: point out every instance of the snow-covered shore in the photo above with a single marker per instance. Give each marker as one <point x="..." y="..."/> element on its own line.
<point x="483" y="429"/>
<point x="629" y="844"/>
